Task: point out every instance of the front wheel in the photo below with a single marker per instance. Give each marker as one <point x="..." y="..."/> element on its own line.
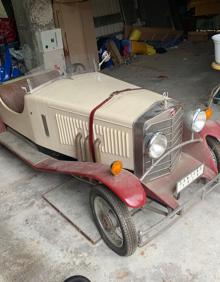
<point x="214" y="146"/>
<point x="113" y="221"/>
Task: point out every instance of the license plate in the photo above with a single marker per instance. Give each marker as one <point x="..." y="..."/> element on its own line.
<point x="184" y="182"/>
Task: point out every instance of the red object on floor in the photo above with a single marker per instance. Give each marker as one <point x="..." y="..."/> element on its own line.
<point x="7" y="30"/>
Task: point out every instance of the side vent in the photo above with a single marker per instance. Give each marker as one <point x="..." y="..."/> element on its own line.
<point x="46" y="130"/>
<point x="111" y="141"/>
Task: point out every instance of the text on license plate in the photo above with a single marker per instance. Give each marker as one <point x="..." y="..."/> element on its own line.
<point x="184" y="182"/>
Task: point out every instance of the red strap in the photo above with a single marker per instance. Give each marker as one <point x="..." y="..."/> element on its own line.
<point x="92" y="114"/>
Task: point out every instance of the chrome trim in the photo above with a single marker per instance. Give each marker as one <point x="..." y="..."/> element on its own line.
<point x="169" y="152"/>
<point x="78" y="144"/>
<point x="142" y="124"/>
<point x="152" y="140"/>
<point x="191" y="117"/>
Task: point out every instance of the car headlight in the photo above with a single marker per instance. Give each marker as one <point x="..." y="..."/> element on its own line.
<point x="157" y="145"/>
<point x="196" y="120"/>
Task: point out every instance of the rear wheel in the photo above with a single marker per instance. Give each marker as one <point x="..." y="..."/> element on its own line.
<point x="214" y="146"/>
<point x="113" y="221"/>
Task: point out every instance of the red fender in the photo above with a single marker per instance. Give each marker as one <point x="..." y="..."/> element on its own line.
<point x="212" y="128"/>
<point x="125" y="185"/>
<point x="201" y="150"/>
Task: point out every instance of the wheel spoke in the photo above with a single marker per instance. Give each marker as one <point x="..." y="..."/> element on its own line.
<point x="108" y="221"/>
<point x="113" y="221"/>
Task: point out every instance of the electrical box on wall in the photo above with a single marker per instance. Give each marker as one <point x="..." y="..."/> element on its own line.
<point x="51" y="47"/>
<point x="51" y="40"/>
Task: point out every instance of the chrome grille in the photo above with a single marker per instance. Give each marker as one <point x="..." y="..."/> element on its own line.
<point x="172" y="127"/>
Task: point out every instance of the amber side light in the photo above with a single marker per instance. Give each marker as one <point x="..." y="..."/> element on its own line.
<point x="116" y="167"/>
<point x="209" y="113"/>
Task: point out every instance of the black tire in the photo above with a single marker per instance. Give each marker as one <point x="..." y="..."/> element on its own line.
<point x="214" y="145"/>
<point x="77" y="278"/>
<point x="124" y="221"/>
<point x="215" y="101"/>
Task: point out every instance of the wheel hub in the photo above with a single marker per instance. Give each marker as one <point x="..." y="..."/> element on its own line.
<point x="107" y="222"/>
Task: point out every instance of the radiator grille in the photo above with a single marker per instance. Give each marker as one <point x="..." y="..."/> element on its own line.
<point x="113" y="141"/>
<point x="173" y="129"/>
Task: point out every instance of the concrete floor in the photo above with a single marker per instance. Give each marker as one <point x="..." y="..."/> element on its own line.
<point x="38" y="244"/>
<point x="185" y="72"/>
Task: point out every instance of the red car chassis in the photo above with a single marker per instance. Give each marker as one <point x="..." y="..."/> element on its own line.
<point x="128" y="188"/>
<point x="126" y="185"/>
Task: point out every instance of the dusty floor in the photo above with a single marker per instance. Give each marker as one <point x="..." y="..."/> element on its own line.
<point x="185" y="72"/>
<point x="38" y="244"/>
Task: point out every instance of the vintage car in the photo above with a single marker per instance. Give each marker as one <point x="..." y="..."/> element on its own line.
<point x="133" y="143"/>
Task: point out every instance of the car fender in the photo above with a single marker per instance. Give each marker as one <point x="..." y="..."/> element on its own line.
<point x="212" y="128"/>
<point x="126" y="185"/>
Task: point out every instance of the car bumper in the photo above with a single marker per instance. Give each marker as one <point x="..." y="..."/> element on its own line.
<point x="163" y="189"/>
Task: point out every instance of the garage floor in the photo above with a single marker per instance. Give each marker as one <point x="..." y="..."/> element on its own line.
<point x="38" y="244"/>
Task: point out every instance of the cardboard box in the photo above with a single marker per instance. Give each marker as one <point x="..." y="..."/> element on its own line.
<point x="78" y="32"/>
<point x="198" y="36"/>
<point x="205" y="7"/>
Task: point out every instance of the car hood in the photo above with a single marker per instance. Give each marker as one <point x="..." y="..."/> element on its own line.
<point x="82" y="93"/>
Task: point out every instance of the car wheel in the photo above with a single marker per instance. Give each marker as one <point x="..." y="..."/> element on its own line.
<point x="77" y="278"/>
<point x="214" y="146"/>
<point x="113" y="221"/>
<point x="215" y="101"/>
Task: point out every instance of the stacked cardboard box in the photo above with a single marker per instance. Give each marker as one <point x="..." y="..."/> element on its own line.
<point x="205" y="7"/>
<point x="75" y="18"/>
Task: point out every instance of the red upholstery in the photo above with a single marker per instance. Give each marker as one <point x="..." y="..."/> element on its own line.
<point x="12" y="93"/>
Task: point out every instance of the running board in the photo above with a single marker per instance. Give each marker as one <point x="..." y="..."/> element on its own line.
<point x="22" y="148"/>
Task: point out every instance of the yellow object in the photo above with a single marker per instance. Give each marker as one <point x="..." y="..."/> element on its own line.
<point x="150" y="50"/>
<point x="209" y="113"/>
<point x="216" y="66"/>
<point x="135" y="35"/>
<point x="142" y="48"/>
<point x="116" y="167"/>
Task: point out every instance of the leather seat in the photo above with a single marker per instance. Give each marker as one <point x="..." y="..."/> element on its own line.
<point x="12" y="93"/>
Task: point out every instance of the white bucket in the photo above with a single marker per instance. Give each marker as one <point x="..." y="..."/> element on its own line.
<point x="216" y="39"/>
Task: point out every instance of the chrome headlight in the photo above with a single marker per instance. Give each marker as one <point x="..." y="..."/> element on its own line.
<point x="196" y="120"/>
<point x="156" y="145"/>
